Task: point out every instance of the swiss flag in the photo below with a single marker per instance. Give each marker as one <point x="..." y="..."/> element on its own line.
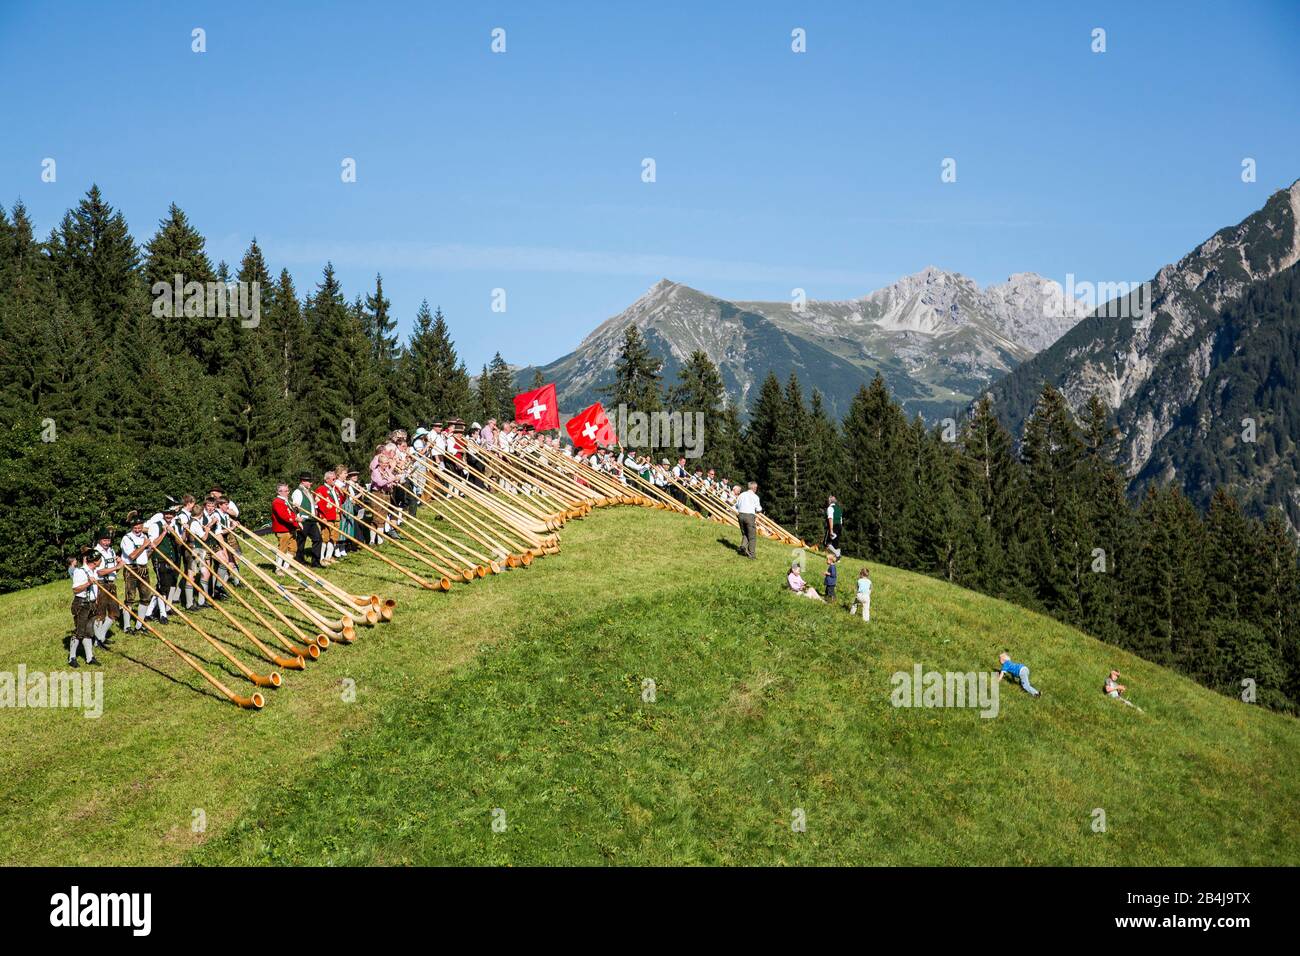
<point x="591" y="427"/>
<point x="538" y="408"/>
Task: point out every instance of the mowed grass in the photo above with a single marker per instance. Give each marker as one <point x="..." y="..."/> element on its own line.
<point x="519" y="699"/>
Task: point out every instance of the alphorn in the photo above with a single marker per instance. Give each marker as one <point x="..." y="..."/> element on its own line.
<point x="473" y="512"/>
<point x="255" y="701"/>
<point x="314" y="644"/>
<point x="314" y="586"/>
<point x="465" y="574"/>
<point x="360" y="600"/>
<point x="444" y="584"/>
<point x="421" y="532"/>
<point x="328" y="631"/>
<point x="261" y="680"/>
<point x="295" y="663"/>
<point x="467" y="526"/>
<point x="308" y="649"/>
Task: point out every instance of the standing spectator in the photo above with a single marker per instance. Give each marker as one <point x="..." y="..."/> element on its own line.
<point x="747" y="508"/>
<point x="863" y="596"/>
<point x="831" y="577"/>
<point x="834" y="525"/>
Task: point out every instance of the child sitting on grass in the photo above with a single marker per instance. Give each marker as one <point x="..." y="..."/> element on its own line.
<point x="799" y="586"/>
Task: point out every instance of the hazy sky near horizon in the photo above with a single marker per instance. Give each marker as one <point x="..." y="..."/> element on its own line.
<point x="522" y="170"/>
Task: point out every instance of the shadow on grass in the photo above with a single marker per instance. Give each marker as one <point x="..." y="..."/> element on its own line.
<point x="203" y="691"/>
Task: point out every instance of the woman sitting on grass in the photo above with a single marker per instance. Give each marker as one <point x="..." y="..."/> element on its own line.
<point x="799" y="586"/>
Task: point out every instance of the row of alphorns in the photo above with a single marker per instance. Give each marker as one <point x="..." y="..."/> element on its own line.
<point x="474" y="532"/>
<point x="299" y="618"/>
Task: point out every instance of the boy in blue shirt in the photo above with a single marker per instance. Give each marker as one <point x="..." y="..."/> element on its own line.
<point x="1018" y="672"/>
<point x="832" y="576"/>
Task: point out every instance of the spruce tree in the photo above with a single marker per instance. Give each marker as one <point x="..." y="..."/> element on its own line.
<point x="381" y="329"/>
<point x="875" y="467"/>
<point x="502" y="408"/>
<point x="637" y="376"/>
<point x="435" y="384"/>
<point x="760" y="433"/>
<point x="95" y="261"/>
<point x="699" y="392"/>
<point x="1106" y="526"/>
<point x="787" y="459"/>
<point x="177" y="249"/>
<point x="258" y="419"/>
<point x="1052" y="451"/>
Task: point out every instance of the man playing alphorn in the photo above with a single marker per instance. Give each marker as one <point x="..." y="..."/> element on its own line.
<point x="136" y="548"/>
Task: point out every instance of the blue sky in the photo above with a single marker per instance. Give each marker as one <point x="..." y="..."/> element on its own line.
<point x="522" y="170"/>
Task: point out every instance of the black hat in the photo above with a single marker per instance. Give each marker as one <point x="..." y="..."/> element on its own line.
<point x="133" y="518"/>
<point x="305" y="476"/>
<point x="101" y="534"/>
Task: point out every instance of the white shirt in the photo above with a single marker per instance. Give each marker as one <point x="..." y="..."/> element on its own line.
<point x="131" y="541"/>
<point x="747" y="503"/>
<point x="303" y="499"/>
<point x="155" y="525"/>
<point x="107" y="559"/>
<point x="80" y="575"/>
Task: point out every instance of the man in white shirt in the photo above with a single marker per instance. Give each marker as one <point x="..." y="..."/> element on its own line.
<point x="303" y="500"/>
<point x="105" y="608"/>
<point x="136" y="547"/>
<point x="85" y="595"/>
<point x="747" y="509"/>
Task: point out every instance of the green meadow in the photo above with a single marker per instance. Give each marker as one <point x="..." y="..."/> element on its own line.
<point x="644" y="697"/>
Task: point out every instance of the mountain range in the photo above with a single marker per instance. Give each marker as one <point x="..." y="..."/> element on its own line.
<point x="936" y="337"/>
<point x="1199" y="366"/>
<point x="1202" y="383"/>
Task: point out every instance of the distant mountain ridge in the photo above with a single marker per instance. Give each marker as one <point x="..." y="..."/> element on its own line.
<point x="935" y="337"/>
<point x="1153" y="372"/>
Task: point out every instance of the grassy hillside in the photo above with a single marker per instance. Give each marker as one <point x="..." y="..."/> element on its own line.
<point x="523" y="692"/>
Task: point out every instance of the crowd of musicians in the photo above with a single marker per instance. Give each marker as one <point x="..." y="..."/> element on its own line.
<point x="188" y="553"/>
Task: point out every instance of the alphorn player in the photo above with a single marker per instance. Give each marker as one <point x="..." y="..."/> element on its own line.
<point x="85" y="595"/>
<point x="109" y="565"/>
<point x="286" y="525"/>
<point x="167" y="591"/>
<point x="303" y="500"/>
<point x="136" y="549"/>
<point x="340" y="496"/>
<point x="327" y="512"/>
<point x="196" y="532"/>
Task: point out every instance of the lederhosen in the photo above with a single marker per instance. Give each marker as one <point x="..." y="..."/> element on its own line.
<point x="137" y="575"/>
<point x="105" y="606"/>
<point x="83" y="608"/>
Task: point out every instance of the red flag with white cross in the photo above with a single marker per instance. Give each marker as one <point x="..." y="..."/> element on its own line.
<point x="538" y="408"/>
<point x="591" y="427"/>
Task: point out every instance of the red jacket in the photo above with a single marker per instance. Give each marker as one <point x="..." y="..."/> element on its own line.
<point x="325" y="506"/>
<point x="283" y="520"/>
